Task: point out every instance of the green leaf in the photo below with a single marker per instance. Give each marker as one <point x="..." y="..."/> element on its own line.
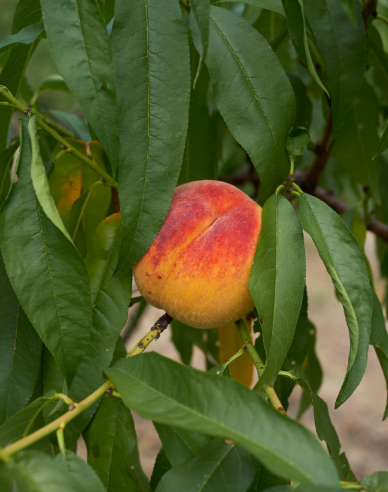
<point x="164" y="391"/>
<point x="27" y="12"/>
<point x="182" y="342"/>
<point x="273" y="5"/>
<point x="377" y="481"/>
<point x="218" y="467"/>
<point x="345" y="263"/>
<point x="273" y="27"/>
<point x="297" y="28"/>
<point x="26" y="36"/>
<point x="110" y="300"/>
<point x="14" y="428"/>
<point x="263" y="112"/>
<point x="264" y="480"/>
<point x="161" y="467"/>
<point x="343" y="47"/>
<point x="153" y="87"/>
<point x="304" y="106"/>
<point x="6" y="160"/>
<point x="200" y="156"/>
<point x="179" y="445"/>
<point x="34" y="471"/>
<point x="20" y="351"/>
<point x="81" y="48"/>
<point x="297" y="141"/>
<point x="221" y="370"/>
<point x="323" y="424"/>
<point x="111" y="441"/>
<point x="357" y="140"/>
<point x="74" y="123"/>
<point x="37" y="253"/>
<point x="52" y="83"/>
<point x="199" y="18"/>
<point x="277" y="281"/>
<point x="378" y="59"/>
<point x="379" y="339"/>
<point x="383" y="144"/>
<point x="40" y="181"/>
<point x="312" y="368"/>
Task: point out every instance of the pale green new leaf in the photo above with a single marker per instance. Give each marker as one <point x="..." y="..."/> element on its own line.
<point x="153" y="86"/>
<point x="383" y="144"/>
<point x="219" y="467"/>
<point x="345" y="263"/>
<point x="82" y="51"/>
<point x="277" y="281"/>
<point x="296" y="26"/>
<point x="343" y="47"/>
<point x="167" y="392"/>
<point x="40" y="181"/>
<point x="262" y="114"/>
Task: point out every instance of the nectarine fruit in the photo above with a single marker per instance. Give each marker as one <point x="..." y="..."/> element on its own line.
<point x="197" y="269"/>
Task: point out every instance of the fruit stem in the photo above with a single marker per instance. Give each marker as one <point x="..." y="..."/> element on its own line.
<point x="90" y="162"/>
<point x="77" y="408"/>
<point x="258" y="363"/>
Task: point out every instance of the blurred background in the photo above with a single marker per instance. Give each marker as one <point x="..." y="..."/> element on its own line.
<point x="364" y="437"/>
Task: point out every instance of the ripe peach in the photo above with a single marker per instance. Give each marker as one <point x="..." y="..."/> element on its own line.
<point x="197" y="269"/>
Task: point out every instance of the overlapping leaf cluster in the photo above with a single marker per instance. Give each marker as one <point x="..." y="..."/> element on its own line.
<point x="170" y="92"/>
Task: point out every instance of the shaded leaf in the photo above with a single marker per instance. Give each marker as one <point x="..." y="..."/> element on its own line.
<point x="37" y="253"/>
<point x="325" y="429"/>
<point x="264" y="479"/>
<point x="111" y="441"/>
<point x="14" y="428"/>
<point x="272" y="26"/>
<point x="20" y="351"/>
<point x="27" y="12"/>
<point x="82" y="475"/>
<point x="182" y="342"/>
<point x="343" y="47"/>
<point x="218" y="467"/>
<point x="199" y="18"/>
<point x="383" y="144"/>
<point x="378" y="59"/>
<point x="304" y="106"/>
<point x="200" y="156"/>
<point x="379" y="339"/>
<point x="297" y="141"/>
<point x="357" y="140"/>
<point x="52" y="83"/>
<point x="78" y="38"/>
<point x="274" y="5"/>
<point x="6" y="160"/>
<point x="312" y="368"/>
<point x="277" y="281"/>
<point x="241" y="369"/>
<point x="345" y="263"/>
<point x="153" y="87"/>
<point x="26" y="36"/>
<point x="296" y="26"/>
<point x="167" y="392"/>
<point x="74" y="123"/>
<point x="161" y="467"/>
<point x="263" y="110"/>
<point x="180" y="445"/>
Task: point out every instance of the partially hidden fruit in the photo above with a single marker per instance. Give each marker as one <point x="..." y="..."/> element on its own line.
<point x="197" y="269"/>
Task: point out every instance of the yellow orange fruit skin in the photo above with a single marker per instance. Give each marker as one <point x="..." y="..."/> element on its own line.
<point x="197" y="269"/>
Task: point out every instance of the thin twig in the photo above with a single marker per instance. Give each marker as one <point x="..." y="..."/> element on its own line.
<point x="77" y="408"/>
